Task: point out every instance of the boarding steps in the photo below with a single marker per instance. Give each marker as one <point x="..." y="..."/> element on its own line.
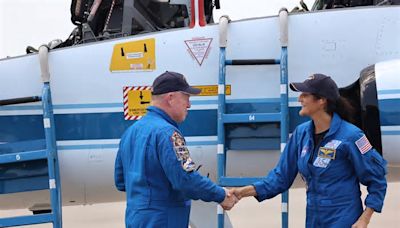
<point x="32" y="155"/>
<point x="224" y="118"/>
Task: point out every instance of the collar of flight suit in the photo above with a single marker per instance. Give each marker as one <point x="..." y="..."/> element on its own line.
<point x="157" y="111"/>
<point x="333" y="128"/>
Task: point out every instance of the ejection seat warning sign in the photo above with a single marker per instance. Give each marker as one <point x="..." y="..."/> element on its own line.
<point x="134" y="56"/>
<point x="199" y="48"/>
<point x="136" y="100"/>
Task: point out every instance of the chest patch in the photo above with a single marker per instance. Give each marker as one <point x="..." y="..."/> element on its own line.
<point x="304" y="151"/>
<point x="325" y="152"/>
<point x="182" y="152"/>
<point x="321" y="162"/>
<point x="333" y="144"/>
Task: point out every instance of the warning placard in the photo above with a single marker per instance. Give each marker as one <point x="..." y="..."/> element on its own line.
<point x="136" y="100"/>
<point x="212" y="90"/>
<point x="199" y="48"/>
<point x="134" y="56"/>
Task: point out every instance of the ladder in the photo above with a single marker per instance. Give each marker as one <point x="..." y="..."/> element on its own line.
<point x="224" y="118"/>
<point x="49" y="154"/>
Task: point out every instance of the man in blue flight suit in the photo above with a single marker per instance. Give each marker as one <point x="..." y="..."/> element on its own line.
<point x="333" y="157"/>
<point x="153" y="164"/>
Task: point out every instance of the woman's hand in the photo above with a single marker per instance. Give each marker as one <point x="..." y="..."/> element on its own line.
<point x="361" y="223"/>
<point x="245" y="191"/>
<point x="364" y="219"/>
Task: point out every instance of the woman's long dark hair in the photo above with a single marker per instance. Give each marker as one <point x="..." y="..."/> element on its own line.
<point x="342" y="107"/>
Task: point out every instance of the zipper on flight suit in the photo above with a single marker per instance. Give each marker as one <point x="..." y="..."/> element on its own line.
<point x="311" y="162"/>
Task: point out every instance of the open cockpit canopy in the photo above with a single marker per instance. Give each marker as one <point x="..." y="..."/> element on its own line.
<point x="106" y="19"/>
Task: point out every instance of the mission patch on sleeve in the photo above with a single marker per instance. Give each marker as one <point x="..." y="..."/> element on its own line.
<point x="182" y="152"/>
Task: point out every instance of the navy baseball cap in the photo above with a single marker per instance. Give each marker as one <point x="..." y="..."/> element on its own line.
<point x="318" y="84"/>
<point x="170" y="81"/>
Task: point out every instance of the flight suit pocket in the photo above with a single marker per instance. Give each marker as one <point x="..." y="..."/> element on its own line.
<point x="150" y="217"/>
<point x="379" y="163"/>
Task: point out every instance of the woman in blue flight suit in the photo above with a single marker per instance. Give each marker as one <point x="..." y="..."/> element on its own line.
<point x="333" y="157"/>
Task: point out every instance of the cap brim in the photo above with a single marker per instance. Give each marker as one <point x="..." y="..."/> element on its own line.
<point x="192" y="91"/>
<point x="300" y="87"/>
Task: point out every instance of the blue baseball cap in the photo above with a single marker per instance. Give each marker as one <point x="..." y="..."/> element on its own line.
<point x="318" y="84"/>
<point x="170" y="81"/>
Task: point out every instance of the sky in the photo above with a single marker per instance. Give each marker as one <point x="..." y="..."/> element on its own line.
<point x="35" y="22"/>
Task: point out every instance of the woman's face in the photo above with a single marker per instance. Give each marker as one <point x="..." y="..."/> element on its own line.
<point x="310" y="105"/>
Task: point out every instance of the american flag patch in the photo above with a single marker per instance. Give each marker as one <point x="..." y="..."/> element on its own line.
<point x="363" y="144"/>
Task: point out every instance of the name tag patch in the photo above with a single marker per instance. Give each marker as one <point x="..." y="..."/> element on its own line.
<point x="321" y="162"/>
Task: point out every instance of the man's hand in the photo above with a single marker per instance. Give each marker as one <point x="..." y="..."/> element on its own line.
<point x="229" y="201"/>
<point x="238" y="192"/>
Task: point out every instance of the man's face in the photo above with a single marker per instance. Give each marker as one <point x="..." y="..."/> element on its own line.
<point x="179" y="102"/>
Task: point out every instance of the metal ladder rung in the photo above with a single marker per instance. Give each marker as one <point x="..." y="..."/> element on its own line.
<point x="237" y="181"/>
<point x="251" y="117"/>
<point x="26" y="220"/>
<point x="23" y="156"/>
<point x="241" y="62"/>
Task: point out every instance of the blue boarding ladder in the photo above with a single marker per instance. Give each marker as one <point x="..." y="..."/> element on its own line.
<point x="224" y="118"/>
<point x="49" y="154"/>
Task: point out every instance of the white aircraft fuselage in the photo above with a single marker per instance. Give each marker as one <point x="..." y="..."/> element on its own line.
<point x="88" y="95"/>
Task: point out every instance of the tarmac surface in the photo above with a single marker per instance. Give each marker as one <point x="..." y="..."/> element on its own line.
<point x="247" y="213"/>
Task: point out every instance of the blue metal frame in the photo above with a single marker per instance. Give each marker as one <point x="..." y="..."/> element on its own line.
<point x="284" y="126"/>
<point x="52" y="159"/>
<point x="223" y="118"/>
<point x="221" y="155"/>
<point x="26" y="220"/>
<point x="50" y="154"/>
<point x="24" y="156"/>
<point x="251" y="118"/>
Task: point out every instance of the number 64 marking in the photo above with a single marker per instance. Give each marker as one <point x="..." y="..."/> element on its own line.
<point x="252" y="117"/>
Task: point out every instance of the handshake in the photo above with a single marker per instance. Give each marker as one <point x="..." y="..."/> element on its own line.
<point x="233" y="195"/>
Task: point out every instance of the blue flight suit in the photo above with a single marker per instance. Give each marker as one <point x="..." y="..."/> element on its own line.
<point x="332" y="171"/>
<point x="154" y="168"/>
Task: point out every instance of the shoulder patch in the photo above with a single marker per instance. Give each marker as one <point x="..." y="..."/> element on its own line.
<point x="177" y="139"/>
<point x="182" y="153"/>
<point x="363" y="144"/>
